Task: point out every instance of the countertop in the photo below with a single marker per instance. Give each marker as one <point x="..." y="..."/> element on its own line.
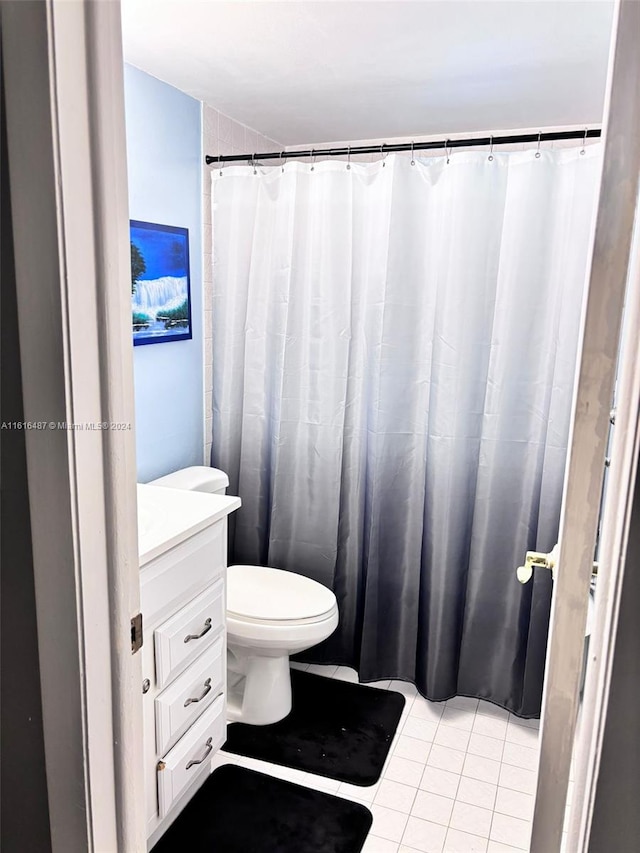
<point x="166" y="517"/>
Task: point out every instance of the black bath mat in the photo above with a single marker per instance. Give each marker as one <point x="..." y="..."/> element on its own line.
<point x="335" y="729"/>
<point x="241" y="811"/>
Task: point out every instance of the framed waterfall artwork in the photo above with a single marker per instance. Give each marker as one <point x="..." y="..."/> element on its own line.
<point x="160" y="285"/>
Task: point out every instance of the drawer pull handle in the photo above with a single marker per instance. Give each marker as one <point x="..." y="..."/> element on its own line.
<point x="205" y="630"/>
<point x="207" y="688"/>
<point x="207" y="750"/>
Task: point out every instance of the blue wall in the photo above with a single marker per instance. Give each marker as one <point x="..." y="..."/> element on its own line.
<point x="164" y="154"/>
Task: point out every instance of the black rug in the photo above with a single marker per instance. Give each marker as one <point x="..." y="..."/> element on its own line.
<point x="241" y="811"/>
<point x="335" y="729"/>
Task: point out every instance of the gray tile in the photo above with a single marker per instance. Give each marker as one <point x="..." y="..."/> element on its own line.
<point x="440" y="781"/>
<point x="412" y="748"/>
<point x="403" y="770"/>
<point x="476" y="793"/>
<point x="485" y="746"/>
<point x="424" y="835"/>
<point x="451" y="737"/>
<point x="432" y="807"/>
<point x="457" y="718"/>
<point x="473" y="819"/>
<point x="464" y="842"/>
<point x="484" y="769"/>
<point x="423" y="709"/>
<point x="490" y="726"/>
<point x="488" y="709"/>
<point x="388" y="823"/>
<point x="520" y="756"/>
<point x="515" y="803"/>
<point x="405" y="687"/>
<point x="394" y="795"/>
<point x="419" y="729"/>
<point x="522" y="735"/>
<point x="465" y="703"/>
<point x="511" y="830"/>
<point x="517" y="779"/>
<point x="322" y="669"/>
<point x="446" y="759"/>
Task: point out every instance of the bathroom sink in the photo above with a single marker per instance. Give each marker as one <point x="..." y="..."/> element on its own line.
<point x="146" y="520"/>
<point x="167" y="517"/>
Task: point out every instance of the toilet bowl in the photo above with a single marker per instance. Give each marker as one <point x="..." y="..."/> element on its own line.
<point x="271" y="614"/>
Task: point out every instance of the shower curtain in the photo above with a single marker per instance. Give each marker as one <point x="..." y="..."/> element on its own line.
<point x="394" y="347"/>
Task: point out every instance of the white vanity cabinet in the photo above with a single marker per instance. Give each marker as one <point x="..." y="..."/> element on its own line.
<point x="183" y="548"/>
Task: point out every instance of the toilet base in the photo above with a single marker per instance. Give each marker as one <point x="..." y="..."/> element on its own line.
<point x="258" y="688"/>
<point x="259" y="681"/>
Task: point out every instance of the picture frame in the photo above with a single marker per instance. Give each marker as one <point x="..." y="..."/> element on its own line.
<point x="160" y="283"/>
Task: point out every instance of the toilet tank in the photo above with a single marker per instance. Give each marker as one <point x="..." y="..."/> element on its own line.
<point x="198" y="478"/>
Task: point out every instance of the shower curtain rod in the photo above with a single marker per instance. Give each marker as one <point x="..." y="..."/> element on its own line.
<point x="385" y="148"/>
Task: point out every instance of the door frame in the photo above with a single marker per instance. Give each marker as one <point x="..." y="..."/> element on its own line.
<point x="69" y="186"/>
<point x="613" y="556"/>
<point x="69" y="191"/>
<point x="593" y="398"/>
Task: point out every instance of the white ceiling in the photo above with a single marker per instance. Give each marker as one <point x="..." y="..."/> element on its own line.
<point x="303" y="72"/>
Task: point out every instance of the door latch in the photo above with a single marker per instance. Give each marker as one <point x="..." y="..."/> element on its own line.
<point x="538" y="560"/>
<point x="136" y="633"/>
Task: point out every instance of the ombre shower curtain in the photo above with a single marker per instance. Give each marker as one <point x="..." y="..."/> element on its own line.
<point x="394" y="349"/>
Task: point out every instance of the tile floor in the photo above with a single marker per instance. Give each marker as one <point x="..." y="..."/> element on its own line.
<point x="460" y="777"/>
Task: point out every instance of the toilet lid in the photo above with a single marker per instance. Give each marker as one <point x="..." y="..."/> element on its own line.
<point x="274" y="595"/>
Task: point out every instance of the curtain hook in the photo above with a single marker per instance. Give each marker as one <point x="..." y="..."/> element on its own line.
<point x="283" y="158"/>
<point x="349" y="158"/>
<point x="221" y="164"/>
<point x="584" y="141"/>
<point x="253" y="163"/>
<point x="447" y="150"/>
<point x="413" y="162"/>
<point x="538" y="148"/>
<point x="313" y="160"/>
<point x="384" y="159"/>
<point x="491" y="148"/>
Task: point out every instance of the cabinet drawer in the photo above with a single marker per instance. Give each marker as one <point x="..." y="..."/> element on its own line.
<point x="182" y="572"/>
<point x="189" y="696"/>
<point x="197" y="625"/>
<point x="190" y="758"/>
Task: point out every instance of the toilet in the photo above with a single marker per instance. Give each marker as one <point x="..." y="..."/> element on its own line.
<point x="271" y="614"/>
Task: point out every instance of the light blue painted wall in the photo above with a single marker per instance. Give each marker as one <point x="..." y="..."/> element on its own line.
<point x="164" y="154"/>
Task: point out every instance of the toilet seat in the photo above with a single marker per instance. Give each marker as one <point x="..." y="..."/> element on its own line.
<point x="259" y="595"/>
